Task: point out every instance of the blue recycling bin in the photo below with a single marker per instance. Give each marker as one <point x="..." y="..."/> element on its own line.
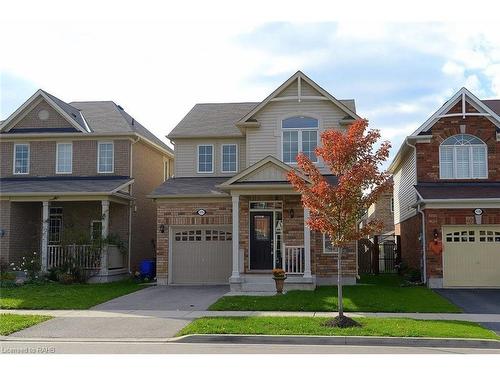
<point x="147" y="268"/>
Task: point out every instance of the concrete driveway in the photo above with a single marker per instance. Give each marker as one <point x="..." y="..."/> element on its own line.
<point x="476" y="301"/>
<point x="139" y="315"/>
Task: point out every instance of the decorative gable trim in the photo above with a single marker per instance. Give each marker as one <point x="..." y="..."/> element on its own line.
<point x="299" y="77"/>
<point x="464" y="96"/>
<point x="247" y="173"/>
<point x="19" y="114"/>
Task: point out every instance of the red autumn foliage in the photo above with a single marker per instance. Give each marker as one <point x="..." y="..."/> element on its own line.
<point x="336" y="209"/>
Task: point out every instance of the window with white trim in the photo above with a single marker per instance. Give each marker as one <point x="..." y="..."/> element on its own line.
<point x="327" y="245"/>
<point x="64" y="158"/>
<point x="300" y="134"/>
<point x="205" y="158"/>
<point x="463" y="156"/>
<point x="105" y="157"/>
<point x="229" y="158"/>
<point x="21" y="158"/>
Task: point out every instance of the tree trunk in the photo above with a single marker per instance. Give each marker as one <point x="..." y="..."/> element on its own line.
<point x="339" y="283"/>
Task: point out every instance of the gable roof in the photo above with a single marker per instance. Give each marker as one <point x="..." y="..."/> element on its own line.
<point x="240" y="177"/>
<point x="222" y="119"/>
<point x="70" y="113"/>
<point x="465" y="96"/>
<point x="212" y="119"/>
<point x="299" y="76"/>
<point x="96" y="117"/>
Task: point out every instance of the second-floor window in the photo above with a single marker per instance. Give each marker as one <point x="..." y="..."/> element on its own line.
<point x="229" y="158"/>
<point x="463" y="156"/>
<point x="105" y="157"/>
<point x="300" y="134"/>
<point x="205" y="158"/>
<point x="21" y="158"/>
<point x="64" y="158"/>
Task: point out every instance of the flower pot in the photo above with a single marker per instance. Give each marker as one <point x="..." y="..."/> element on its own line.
<point x="280" y="282"/>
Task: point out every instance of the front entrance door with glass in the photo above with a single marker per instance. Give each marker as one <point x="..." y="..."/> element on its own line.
<point x="265" y="235"/>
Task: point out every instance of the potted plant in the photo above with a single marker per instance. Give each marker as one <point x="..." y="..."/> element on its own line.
<point x="279" y="277"/>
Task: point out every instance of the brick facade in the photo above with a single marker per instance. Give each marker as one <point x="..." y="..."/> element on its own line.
<point x="43" y="158"/>
<point x="323" y="265"/>
<point x="411" y="247"/>
<point x="428" y="153"/>
<point x="32" y="121"/>
<point x="435" y="219"/>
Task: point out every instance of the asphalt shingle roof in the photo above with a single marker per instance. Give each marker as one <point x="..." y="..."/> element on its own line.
<point x="61" y="184"/>
<point x="108" y="117"/>
<point x="494" y="104"/>
<point x="212" y="119"/>
<point x="473" y="190"/>
<point x="190" y="186"/>
<point x="72" y="112"/>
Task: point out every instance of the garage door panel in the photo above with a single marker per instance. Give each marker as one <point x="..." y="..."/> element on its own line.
<point x="471" y="256"/>
<point x="201" y="255"/>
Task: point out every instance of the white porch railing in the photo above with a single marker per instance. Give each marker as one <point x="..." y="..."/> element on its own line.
<point x="83" y="256"/>
<point x="293" y="259"/>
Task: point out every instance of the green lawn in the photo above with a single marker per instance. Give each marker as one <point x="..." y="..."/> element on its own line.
<point x="58" y="296"/>
<point x="372" y="294"/>
<point x="390" y="327"/>
<point x="10" y="323"/>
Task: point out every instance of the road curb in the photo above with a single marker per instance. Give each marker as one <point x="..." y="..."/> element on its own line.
<point x="340" y="340"/>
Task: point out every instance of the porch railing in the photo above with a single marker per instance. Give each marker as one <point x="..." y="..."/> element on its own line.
<point x="83" y="256"/>
<point x="293" y="259"/>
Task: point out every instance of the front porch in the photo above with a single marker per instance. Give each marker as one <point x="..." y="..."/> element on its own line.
<point x="91" y="235"/>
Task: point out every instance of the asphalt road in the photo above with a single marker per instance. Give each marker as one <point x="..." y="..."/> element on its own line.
<point x="82" y="347"/>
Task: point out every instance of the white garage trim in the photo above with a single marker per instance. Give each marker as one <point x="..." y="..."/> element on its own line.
<point x="471" y="256"/>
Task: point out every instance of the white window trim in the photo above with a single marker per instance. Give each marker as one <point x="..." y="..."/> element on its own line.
<point x="198" y="158"/>
<point x="57" y="157"/>
<point x="14" y="159"/>
<point x="112" y="156"/>
<point x="222" y="157"/>
<point x="299" y="130"/>
<point x="166" y="170"/>
<point x="471" y="163"/>
<point x="324" y="247"/>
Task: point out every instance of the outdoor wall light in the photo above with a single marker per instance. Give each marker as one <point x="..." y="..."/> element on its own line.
<point x="162" y="228"/>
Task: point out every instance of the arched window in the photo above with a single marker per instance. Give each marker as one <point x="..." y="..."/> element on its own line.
<point x="300" y="134"/>
<point x="463" y="156"/>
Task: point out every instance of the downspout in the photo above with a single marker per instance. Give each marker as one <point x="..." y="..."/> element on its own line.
<point x="130" y="208"/>
<point x="424" y="247"/>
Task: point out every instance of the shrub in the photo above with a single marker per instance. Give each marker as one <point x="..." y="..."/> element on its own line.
<point x="30" y="265"/>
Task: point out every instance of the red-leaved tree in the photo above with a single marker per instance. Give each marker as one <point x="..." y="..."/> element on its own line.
<point x="335" y="209"/>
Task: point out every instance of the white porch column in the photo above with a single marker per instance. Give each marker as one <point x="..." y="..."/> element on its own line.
<point x="307" y="246"/>
<point x="104" y="235"/>
<point x="235" y="275"/>
<point x="45" y="235"/>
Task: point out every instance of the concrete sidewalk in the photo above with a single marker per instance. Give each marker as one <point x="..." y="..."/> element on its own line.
<point x="176" y="314"/>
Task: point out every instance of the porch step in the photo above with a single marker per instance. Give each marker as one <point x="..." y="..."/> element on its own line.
<point x="265" y="283"/>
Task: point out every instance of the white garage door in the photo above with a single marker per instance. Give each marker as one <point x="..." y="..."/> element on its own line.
<point x="201" y="255"/>
<point x="471" y="256"/>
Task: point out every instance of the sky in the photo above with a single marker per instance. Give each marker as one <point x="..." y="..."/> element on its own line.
<point x="157" y="61"/>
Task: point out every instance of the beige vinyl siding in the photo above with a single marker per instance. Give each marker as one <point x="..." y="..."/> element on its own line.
<point x="266" y="140"/>
<point x="404" y="192"/>
<point x="291" y="90"/>
<point x="186" y="151"/>
<point x="308" y="90"/>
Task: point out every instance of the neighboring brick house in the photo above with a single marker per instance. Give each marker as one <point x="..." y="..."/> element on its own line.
<point x="447" y="194"/>
<point x="229" y="215"/>
<point x="77" y="171"/>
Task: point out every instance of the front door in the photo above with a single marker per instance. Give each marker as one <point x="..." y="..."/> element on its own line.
<point x="261" y="240"/>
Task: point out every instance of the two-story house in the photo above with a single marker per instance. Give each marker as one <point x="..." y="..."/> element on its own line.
<point x="73" y="173"/>
<point x="447" y="194"/>
<point x="229" y="214"/>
